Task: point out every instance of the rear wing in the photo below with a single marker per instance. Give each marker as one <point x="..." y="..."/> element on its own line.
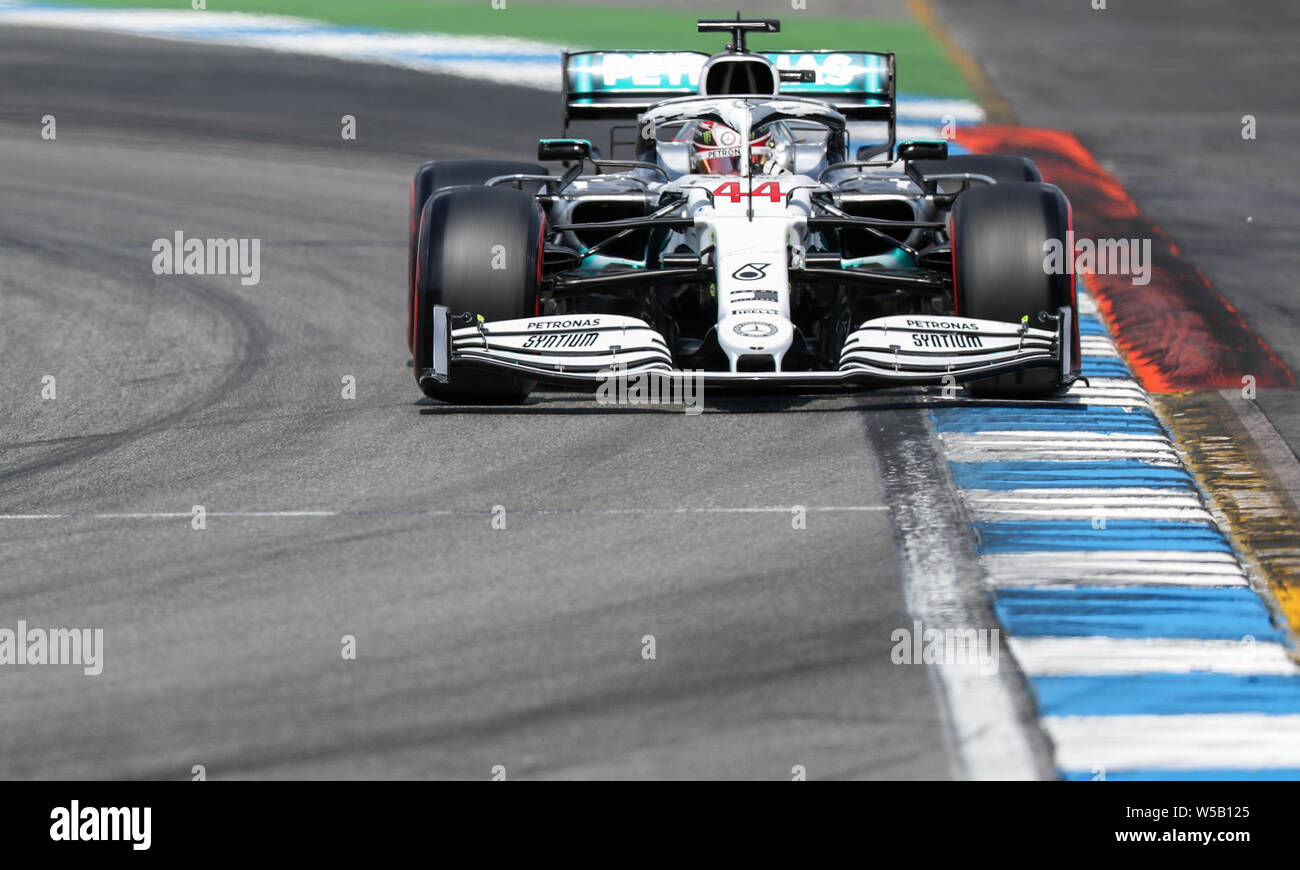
<point x="860" y="85"/>
<point x="619" y="85"/>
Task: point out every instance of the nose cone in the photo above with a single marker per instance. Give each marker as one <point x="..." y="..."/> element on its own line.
<point x="758" y="334"/>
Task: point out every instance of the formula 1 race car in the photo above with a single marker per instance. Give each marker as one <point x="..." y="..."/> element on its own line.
<point x="742" y="243"/>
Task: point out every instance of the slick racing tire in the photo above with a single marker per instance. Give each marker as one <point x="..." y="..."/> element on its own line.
<point x="1002" y="168"/>
<point x="437" y="175"/>
<point x="998" y="247"/>
<point x="478" y="253"/>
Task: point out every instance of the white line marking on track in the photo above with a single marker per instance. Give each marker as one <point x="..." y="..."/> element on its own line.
<point x="1028" y="436"/>
<point x="1090" y="495"/>
<point x="1092" y="505"/>
<point x="1092" y="345"/>
<point x="168" y="515"/>
<point x="986" y="721"/>
<point x="976" y="450"/>
<point x="1220" y="740"/>
<point x="319" y="514"/>
<point x="1190" y="557"/>
<point x="1099" y="568"/>
<point x="718" y="510"/>
<point x="1082" y="656"/>
<point x="1089" y="512"/>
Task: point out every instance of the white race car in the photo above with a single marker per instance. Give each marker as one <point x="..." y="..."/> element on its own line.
<point x="740" y="243"/>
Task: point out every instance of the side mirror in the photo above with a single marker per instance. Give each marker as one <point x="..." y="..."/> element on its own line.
<point x="564" y="149"/>
<point x="923" y="151"/>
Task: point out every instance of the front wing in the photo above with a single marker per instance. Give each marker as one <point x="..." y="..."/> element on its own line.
<point x="583" y="351"/>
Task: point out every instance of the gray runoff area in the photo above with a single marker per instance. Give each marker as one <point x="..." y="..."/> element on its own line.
<point x="475" y="647"/>
<point x="1157" y="91"/>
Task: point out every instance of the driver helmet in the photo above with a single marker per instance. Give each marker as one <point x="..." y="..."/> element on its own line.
<point x="715" y="150"/>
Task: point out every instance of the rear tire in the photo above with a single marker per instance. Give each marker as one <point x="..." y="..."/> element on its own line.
<point x="998" y="236"/>
<point x="438" y="175"/>
<point x="478" y="252"/>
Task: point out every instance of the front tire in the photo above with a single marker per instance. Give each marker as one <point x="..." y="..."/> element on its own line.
<point x="478" y="253"/>
<point x="999" y="235"/>
<point x="439" y="175"/>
